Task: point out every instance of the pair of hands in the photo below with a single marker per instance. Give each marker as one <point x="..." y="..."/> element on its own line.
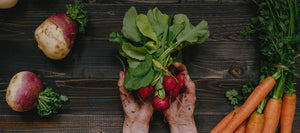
<point x="138" y="112"/>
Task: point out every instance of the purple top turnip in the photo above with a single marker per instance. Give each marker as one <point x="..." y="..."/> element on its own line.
<point x="23" y="90"/>
<point x="24" y="94"/>
<point x="56" y="35"/>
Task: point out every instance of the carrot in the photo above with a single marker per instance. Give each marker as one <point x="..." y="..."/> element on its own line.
<point x="272" y="115"/>
<point x="223" y="123"/>
<point x="255" y="123"/>
<point x="259" y="93"/>
<point x="242" y="127"/>
<point x="287" y="113"/>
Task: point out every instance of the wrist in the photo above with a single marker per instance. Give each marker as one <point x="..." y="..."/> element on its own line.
<point x="180" y="126"/>
<point x="134" y="125"/>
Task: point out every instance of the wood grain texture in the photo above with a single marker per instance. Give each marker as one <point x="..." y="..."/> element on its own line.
<point x="88" y="75"/>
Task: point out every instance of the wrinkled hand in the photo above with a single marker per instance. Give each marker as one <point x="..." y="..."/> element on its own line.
<point x="137" y="111"/>
<point x="180" y="115"/>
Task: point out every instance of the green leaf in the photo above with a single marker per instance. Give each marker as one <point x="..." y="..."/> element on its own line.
<point x="135" y="82"/>
<point x="174" y="31"/>
<point x="134" y="52"/>
<point x="161" y="93"/>
<point x="142" y="68"/>
<point x="150" y="47"/>
<point x="116" y="37"/>
<point x="50" y="102"/>
<point x="140" y="76"/>
<point x="192" y="34"/>
<point x="145" y="27"/>
<point x="159" y="21"/>
<point x="133" y="63"/>
<point x="129" y="29"/>
<point x="181" y="19"/>
<point x="76" y="13"/>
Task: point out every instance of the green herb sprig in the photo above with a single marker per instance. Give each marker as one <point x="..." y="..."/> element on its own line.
<point x="50" y="102"/>
<point x="78" y="14"/>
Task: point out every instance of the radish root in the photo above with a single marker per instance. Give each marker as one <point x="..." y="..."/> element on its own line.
<point x="123" y="64"/>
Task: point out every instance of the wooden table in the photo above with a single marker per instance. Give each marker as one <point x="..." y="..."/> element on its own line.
<point x="88" y="75"/>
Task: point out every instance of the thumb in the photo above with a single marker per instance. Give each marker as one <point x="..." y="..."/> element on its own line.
<point x="189" y="85"/>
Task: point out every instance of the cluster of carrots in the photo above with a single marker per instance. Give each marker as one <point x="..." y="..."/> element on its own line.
<point x="245" y="119"/>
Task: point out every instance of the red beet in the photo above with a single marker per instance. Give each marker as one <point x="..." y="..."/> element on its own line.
<point x="145" y="91"/>
<point x="180" y="78"/>
<point x="161" y="104"/>
<point x="169" y="83"/>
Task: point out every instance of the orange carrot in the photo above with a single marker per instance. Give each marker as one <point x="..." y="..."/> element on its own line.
<point x="287" y="113"/>
<point x="223" y="123"/>
<point x="242" y="127"/>
<point x="259" y="93"/>
<point x="272" y="115"/>
<point x="255" y="123"/>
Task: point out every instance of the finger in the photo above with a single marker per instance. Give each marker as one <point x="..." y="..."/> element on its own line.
<point x="181" y="67"/>
<point x="123" y="92"/>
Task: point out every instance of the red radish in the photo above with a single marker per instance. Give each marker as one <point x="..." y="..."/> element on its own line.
<point x="161" y="104"/>
<point x="23" y="90"/>
<point x="169" y="83"/>
<point x="175" y="92"/>
<point x="24" y="94"/>
<point x="146" y="91"/>
<point x="55" y="36"/>
<point x="180" y="78"/>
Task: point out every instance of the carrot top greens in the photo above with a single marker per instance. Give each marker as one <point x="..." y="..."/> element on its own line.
<point x="278" y="27"/>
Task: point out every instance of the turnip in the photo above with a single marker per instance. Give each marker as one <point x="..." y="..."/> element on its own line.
<point x="24" y="94"/>
<point x="145" y="91"/>
<point x="4" y="4"/>
<point x="180" y="78"/>
<point x="169" y="83"/>
<point x="55" y="36"/>
<point x="160" y="104"/>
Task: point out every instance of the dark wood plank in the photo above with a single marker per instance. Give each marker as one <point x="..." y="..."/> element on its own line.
<point x="89" y="73"/>
<point x="95" y="105"/>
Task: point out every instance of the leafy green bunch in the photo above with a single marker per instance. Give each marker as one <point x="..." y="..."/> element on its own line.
<point x="152" y="42"/>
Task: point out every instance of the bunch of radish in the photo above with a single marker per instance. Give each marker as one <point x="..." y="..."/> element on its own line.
<point x="24" y="93"/>
<point x="56" y="35"/>
<point x="152" y="43"/>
